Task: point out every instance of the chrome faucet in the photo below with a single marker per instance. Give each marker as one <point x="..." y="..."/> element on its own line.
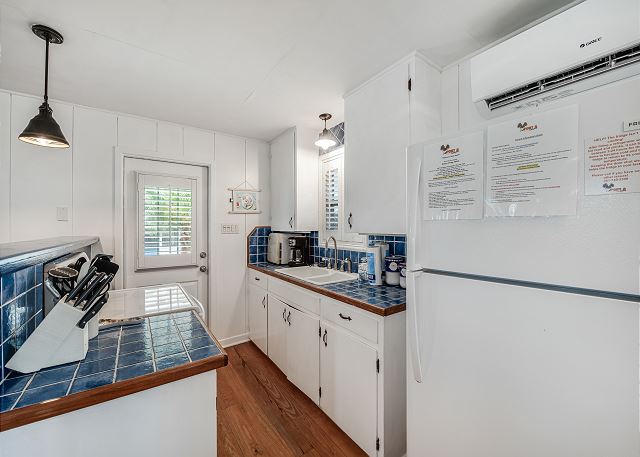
<point x="335" y="251"/>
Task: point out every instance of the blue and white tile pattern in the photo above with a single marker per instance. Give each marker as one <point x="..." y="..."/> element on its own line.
<point x="116" y="354"/>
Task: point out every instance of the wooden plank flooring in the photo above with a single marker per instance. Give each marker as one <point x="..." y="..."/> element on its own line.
<point x="261" y="413"/>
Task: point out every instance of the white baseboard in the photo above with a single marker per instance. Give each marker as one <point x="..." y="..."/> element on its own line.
<point x="233" y="340"/>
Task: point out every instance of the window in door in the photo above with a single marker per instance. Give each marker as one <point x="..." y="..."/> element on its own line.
<point x="332" y="199"/>
<point x="166" y="221"/>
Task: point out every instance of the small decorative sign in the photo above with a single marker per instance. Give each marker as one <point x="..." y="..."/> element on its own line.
<point x="244" y="200"/>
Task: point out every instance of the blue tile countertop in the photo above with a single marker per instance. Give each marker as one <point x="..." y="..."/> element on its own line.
<point x="14" y="256"/>
<point x="381" y="300"/>
<point x="176" y="340"/>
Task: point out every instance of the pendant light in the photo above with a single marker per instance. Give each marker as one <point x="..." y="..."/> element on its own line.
<point x="43" y="130"/>
<point x="325" y="139"/>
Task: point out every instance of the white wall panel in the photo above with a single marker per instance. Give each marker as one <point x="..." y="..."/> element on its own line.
<point x="259" y="177"/>
<point x="95" y="134"/>
<point x="198" y="145"/>
<point x="450" y="100"/>
<point x="41" y="178"/>
<point x="170" y="142"/>
<point x="5" y="167"/>
<point x="229" y="318"/>
<point x="137" y="134"/>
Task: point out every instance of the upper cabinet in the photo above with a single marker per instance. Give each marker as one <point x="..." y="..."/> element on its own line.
<point x="294" y="181"/>
<point x="394" y="109"/>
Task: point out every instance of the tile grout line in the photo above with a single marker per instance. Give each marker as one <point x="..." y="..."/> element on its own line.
<point x="23" y="391"/>
<point x="73" y="378"/>
<point x="115" y="368"/>
<point x="181" y="339"/>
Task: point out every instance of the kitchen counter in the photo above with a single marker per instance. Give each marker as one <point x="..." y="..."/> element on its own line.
<point x="380" y="300"/>
<point x="14" y="256"/>
<point x="169" y="343"/>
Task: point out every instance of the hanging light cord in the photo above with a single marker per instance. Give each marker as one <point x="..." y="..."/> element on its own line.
<point x="46" y="71"/>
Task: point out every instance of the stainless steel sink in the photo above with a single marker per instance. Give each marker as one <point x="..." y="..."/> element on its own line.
<point x="317" y="275"/>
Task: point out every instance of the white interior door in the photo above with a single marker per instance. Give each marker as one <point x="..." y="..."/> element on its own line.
<point x="166" y="225"/>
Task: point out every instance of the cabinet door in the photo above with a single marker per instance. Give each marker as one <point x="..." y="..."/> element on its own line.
<point x="377" y="123"/>
<point x="276" y="332"/>
<point x="257" y="298"/>
<point x="349" y="383"/>
<point x="283" y="181"/>
<point x="303" y="358"/>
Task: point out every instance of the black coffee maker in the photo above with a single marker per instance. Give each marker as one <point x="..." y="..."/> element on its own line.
<point x="299" y="251"/>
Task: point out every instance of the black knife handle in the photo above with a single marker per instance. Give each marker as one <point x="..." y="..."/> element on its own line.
<point x="93" y="311"/>
<point x="90" y="288"/>
<point x="83" y="282"/>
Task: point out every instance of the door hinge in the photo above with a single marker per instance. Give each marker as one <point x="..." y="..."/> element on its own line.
<point x="378" y="365"/>
<point x="320" y="392"/>
<point x="377" y="444"/>
<point x="409" y="84"/>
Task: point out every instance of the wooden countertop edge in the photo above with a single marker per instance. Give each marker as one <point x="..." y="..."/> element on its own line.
<point x="37" y="412"/>
<point x="327" y="293"/>
<point x="72" y="402"/>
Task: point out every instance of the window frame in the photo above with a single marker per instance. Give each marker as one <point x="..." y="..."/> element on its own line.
<point x="344" y="239"/>
<point x="190" y="259"/>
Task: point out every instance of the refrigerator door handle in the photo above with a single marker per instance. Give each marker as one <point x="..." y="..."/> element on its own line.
<point x="414" y="327"/>
<point x="414" y="209"/>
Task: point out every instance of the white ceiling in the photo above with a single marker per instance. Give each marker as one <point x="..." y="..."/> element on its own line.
<point x="248" y="67"/>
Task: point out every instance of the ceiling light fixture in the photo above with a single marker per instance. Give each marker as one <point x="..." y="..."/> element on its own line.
<point x="325" y="139"/>
<point x="43" y="130"/>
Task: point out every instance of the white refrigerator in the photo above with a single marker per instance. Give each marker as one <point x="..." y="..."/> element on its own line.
<point x="523" y="332"/>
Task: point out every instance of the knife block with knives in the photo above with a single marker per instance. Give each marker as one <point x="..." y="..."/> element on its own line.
<point x="63" y="336"/>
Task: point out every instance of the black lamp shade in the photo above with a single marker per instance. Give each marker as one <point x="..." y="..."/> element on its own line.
<point x="43" y="130"/>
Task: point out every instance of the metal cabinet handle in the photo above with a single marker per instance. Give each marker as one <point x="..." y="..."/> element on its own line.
<point x="257" y="279"/>
<point x="263" y="302"/>
<point x="346" y="318"/>
<point x="284" y="312"/>
<point x="291" y="222"/>
<point x="324" y="337"/>
<point x="289" y="318"/>
<point x="349" y="220"/>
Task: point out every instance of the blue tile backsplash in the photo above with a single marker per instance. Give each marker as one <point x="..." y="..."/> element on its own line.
<point x="257" y="249"/>
<point x="20" y="310"/>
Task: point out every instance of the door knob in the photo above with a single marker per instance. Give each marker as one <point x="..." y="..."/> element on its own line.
<point x="203" y="255"/>
<point x="203" y="269"/>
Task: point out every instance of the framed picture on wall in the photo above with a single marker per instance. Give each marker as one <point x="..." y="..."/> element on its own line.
<point x="244" y="201"/>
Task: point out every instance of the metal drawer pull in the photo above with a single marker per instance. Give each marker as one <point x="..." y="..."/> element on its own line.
<point x="257" y="279"/>
<point x="289" y="318"/>
<point x="263" y="300"/>
<point x="284" y="312"/>
<point x="324" y="337"/>
<point x="349" y="220"/>
<point x="346" y="318"/>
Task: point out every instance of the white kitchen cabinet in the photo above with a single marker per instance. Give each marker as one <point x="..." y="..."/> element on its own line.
<point x="349" y="382"/>
<point x="294" y="181"/>
<point x="396" y="108"/>
<point x="349" y="361"/>
<point x="257" y="303"/>
<point x="302" y="352"/>
<point x="277" y="332"/>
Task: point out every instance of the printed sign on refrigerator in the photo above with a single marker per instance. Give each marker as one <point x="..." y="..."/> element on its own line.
<point x="453" y="177"/>
<point x="612" y="164"/>
<point x="532" y="165"/>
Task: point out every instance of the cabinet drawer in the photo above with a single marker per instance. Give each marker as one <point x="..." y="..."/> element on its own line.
<point x="257" y="278"/>
<point x="350" y="318"/>
<point x="295" y="296"/>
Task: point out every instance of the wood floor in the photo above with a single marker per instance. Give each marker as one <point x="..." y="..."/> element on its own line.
<point x="261" y="413"/>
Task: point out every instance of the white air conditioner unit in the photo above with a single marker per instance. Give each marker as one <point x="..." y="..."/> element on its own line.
<point x="593" y="43"/>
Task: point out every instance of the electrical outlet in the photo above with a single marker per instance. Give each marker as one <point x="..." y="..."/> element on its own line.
<point x="62" y="213"/>
<point x="229" y="229"/>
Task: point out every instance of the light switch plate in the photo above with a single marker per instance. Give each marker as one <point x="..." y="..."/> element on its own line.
<point x="229" y="229"/>
<point x="62" y="213"/>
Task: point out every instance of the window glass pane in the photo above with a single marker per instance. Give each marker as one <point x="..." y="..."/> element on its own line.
<point x="167" y="220"/>
<point x="331" y="199"/>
